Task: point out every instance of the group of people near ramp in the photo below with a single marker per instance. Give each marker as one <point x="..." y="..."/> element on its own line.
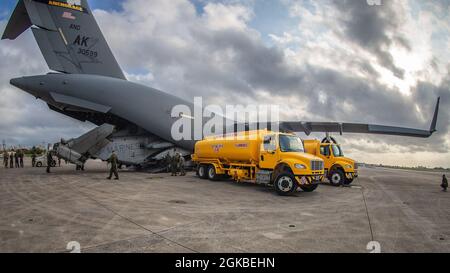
<point x="13" y="159"/>
<point x="175" y="163"/>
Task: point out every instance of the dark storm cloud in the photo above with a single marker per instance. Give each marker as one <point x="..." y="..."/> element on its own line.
<point x="390" y="109"/>
<point x="370" y="26"/>
<point x="349" y="98"/>
<point x="254" y="64"/>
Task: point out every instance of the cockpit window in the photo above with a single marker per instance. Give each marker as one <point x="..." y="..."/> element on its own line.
<point x="291" y="144"/>
<point x="337" y="151"/>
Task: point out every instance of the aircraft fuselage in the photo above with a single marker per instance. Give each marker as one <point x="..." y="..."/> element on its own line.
<point x="143" y="106"/>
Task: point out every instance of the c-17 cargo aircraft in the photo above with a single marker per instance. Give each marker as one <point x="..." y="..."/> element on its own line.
<point x="89" y="85"/>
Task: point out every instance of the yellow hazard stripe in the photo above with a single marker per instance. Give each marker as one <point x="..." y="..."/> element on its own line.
<point x="65" y="5"/>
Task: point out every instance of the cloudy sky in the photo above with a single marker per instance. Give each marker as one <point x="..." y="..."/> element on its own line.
<point x="325" y="60"/>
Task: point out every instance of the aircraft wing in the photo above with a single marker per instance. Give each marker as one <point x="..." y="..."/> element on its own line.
<point x="336" y="127"/>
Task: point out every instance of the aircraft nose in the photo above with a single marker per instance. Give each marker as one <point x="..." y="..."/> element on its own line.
<point x="30" y="85"/>
<point x="18" y="82"/>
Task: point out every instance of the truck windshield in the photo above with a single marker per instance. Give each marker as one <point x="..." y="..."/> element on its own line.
<point x="291" y="144"/>
<point x="337" y="151"/>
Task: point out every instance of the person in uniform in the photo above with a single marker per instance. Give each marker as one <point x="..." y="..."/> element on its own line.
<point x="16" y="159"/>
<point x="33" y="159"/>
<point x="49" y="160"/>
<point x="113" y="169"/>
<point x="5" y="158"/>
<point x="444" y="184"/>
<point x="175" y="164"/>
<point x="21" y="156"/>
<point x="11" y="159"/>
<point x="166" y="162"/>
<point x="181" y="165"/>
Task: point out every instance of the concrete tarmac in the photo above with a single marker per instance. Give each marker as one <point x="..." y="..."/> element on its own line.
<point x="405" y="211"/>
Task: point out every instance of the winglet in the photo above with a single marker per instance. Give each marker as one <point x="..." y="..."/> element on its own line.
<point x="435" y="117"/>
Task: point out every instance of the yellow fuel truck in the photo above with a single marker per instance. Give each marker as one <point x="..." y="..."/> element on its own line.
<point x="339" y="169"/>
<point x="261" y="157"/>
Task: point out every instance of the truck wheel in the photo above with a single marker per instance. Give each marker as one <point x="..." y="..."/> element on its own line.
<point x="212" y="173"/>
<point x="285" y="184"/>
<point x="39" y="164"/>
<point x="348" y="181"/>
<point x="202" y="172"/>
<point x="309" y="188"/>
<point x="337" y="177"/>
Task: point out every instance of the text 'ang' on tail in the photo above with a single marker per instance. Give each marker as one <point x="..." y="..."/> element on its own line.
<point x="67" y="34"/>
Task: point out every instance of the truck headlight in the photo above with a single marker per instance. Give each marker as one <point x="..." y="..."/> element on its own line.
<point x="300" y="166"/>
<point x="348" y="166"/>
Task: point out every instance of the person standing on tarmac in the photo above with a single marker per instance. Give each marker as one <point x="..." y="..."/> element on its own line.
<point x="175" y="164"/>
<point x="444" y="184"/>
<point x="5" y="159"/>
<point x="33" y="159"/>
<point x="181" y="165"/>
<point x="167" y="163"/>
<point x="21" y="156"/>
<point x="11" y="159"/>
<point x="49" y="160"/>
<point x="113" y="169"/>
<point x="16" y="159"/>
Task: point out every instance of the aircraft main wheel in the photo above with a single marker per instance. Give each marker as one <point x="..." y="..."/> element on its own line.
<point x="202" y="172"/>
<point x="337" y="177"/>
<point x="39" y="164"/>
<point x="285" y="184"/>
<point x="212" y="175"/>
<point x="309" y="188"/>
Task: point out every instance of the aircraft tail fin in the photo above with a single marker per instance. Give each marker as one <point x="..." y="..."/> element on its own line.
<point x="67" y="34"/>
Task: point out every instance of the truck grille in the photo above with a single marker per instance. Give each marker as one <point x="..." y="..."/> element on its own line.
<point x="316" y="165"/>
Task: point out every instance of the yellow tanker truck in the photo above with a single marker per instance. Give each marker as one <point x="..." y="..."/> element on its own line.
<point x="261" y="157"/>
<point x="339" y="170"/>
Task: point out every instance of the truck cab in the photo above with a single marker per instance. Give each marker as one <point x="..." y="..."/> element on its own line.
<point x="339" y="170"/>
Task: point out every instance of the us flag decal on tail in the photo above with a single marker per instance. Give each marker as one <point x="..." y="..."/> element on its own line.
<point x="68" y="15"/>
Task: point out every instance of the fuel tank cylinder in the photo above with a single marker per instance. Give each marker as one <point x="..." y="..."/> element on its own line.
<point x="242" y="147"/>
